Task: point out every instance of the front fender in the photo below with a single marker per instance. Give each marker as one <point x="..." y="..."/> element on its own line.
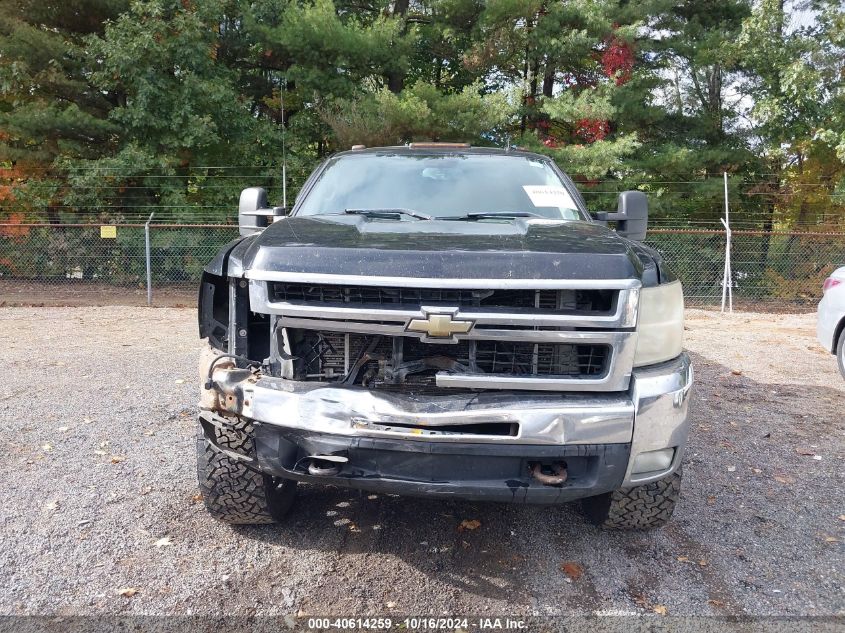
<point x="220" y="264"/>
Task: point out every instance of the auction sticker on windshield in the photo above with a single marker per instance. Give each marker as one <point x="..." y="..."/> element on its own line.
<point x="548" y="196"/>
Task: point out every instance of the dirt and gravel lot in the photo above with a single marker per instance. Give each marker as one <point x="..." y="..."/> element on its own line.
<point x="99" y="494"/>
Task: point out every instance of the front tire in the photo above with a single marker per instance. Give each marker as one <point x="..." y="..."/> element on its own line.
<point x="840" y="353"/>
<point x="638" y="508"/>
<point x="232" y="491"/>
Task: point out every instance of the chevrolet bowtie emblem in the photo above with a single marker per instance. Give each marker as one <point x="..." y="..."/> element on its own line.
<point x="440" y="325"/>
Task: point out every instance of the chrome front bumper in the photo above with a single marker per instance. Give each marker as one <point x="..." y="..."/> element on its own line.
<point x="651" y="415"/>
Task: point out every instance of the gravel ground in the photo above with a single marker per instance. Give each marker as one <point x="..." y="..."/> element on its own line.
<point x="99" y="495"/>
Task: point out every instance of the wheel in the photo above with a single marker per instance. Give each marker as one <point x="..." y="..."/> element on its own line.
<point x="233" y="492"/>
<point x="641" y="507"/>
<point x="840" y="353"/>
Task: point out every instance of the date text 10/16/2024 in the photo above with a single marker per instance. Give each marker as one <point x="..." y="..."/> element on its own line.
<point x="417" y="624"/>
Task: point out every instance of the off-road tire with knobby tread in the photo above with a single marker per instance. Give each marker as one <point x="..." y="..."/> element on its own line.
<point x="638" y="508"/>
<point x="233" y="492"/>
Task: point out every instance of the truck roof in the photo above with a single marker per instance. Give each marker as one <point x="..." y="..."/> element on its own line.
<point x="441" y="148"/>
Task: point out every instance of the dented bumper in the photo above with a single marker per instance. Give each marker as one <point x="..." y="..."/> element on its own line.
<point x="469" y="445"/>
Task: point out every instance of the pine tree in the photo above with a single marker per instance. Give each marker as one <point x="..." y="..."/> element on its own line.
<point x="48" y="105"/>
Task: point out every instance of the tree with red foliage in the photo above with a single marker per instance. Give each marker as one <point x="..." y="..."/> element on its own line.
<point x="617" y="60"/>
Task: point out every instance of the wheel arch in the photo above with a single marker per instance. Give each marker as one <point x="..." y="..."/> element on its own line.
<point x="837" y="333"/>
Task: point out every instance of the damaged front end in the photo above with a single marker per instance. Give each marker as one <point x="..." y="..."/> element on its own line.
<point x="476" y="418"/>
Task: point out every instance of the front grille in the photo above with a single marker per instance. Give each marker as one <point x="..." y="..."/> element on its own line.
<point x="586" y="301"/>
<point x="391" y="362"/>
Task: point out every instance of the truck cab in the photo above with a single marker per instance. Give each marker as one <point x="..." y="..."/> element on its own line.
<point x="441" y="320"/>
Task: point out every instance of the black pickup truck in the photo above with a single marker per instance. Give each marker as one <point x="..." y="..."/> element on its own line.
<point x="440" y="320"/>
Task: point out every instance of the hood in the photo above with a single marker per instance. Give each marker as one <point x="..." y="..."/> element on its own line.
<point x="489" y="249"/>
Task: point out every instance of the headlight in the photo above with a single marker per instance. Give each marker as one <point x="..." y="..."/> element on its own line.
<point x="660" y="325"/>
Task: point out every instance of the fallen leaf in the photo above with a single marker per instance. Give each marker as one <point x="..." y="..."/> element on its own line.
<point x="702" y="563"/>
<point x="659" y="609"/>
<point x="736" y="372"/>
<point x="164" y="541"/>
<point x="46" y="448"/>
<point x="716" y="603"/>
<point x="783" y="479"/>
<point x="180" y="381"/>
<point x="756" y="471"/>
<point x="116" y="459"/>
<point x="127" y="592"/>
<point x="390" y="605"/>
<point x="683" y="559"/>
<point x="804" y="451"/>
<point x="196" y="498"/>
<point x="830" y="539"/>
<point x="51" y="505"/>
<point x="842" y="517"/>
<point x="572" y="569"/>
<point x="469" y="524"/>
<point x="711" y="500"/>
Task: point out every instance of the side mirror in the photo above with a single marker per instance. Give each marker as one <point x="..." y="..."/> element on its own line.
<point x="631" y="215"/>
<point x="254" y="212"/>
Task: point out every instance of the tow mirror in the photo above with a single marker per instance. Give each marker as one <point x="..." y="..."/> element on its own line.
<point x="631" y="215"/>
<point x="254" y="212"/>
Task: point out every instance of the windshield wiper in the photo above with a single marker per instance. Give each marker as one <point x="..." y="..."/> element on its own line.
<point x="492" y="214"/>
<point x="388" y="213"/>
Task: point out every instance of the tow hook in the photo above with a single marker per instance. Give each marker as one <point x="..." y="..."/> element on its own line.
<point x="325" y="465"/>
<point x="555" y="479"/>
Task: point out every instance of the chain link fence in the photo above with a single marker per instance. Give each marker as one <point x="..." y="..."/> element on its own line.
<point x="82" y="263"/>
<point x="116" y="255"/>
<point x="771" y="270"/>
<point x="82" y="234"/>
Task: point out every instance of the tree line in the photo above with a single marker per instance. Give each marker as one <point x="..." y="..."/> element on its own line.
<point x="107" y="106"/>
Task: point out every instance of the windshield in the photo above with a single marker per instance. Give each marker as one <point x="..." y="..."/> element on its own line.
<point x="442" y="186"/>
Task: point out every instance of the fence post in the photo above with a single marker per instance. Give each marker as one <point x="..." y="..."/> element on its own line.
<point x="147" y="252"/>
<point x="727" y="284"/>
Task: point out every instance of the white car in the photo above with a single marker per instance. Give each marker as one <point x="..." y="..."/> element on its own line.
<point x="830" y="327"/>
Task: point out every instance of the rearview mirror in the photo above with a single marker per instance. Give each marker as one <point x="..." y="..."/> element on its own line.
<point x="631" y="215"/>
<point x="254" y="212"/>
